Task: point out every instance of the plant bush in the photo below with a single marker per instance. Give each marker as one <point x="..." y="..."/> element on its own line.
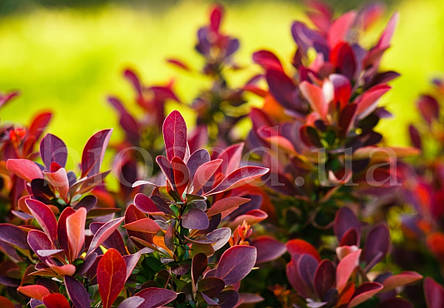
<point x="298" y="212"/>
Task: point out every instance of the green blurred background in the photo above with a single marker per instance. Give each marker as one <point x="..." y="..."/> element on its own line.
<point x="68" y="55"/>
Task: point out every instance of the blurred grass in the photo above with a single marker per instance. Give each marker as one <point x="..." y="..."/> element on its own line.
<point x="68" y="60"/>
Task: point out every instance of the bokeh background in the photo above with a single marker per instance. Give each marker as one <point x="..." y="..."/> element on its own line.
<point x="67" y="56"/>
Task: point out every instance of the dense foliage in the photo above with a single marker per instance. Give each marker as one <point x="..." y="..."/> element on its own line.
<point x="298" y="212"/>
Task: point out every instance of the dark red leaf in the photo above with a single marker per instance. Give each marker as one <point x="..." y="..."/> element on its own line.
<point x="428" y="107"/>
<point x="324" y="278"/>
<point x="343" y="58"/>
<point x="364" y="292"/>
<point x="94" y="151"/>
<point x="198" y="266"/>
<point x="239" y="177"/>
<point x="111" y="276"/>
<point x="103" y="233"/>
<point x="401" y="279"/>
<point x="156" y="297"/>
<point x="211" y="286"/>
<point x="268" y="248"/>
<point x="44" y="216"/>
<point x="226" y="204"/>
<point x="235" y="263"/>
<point x="434" y="293"/>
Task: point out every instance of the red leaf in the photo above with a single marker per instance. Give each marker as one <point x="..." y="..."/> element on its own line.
<point x="386" y="37"/>
<point x="315" y="97"/>
<point x="231" y="158"/>
<point x="175" y="135"/>
<point x="343" y="58"/>
<point x="4" y="302"/>
<point x="239" y="177"/>
<point x="399" y="280"/>
<point x="235" y="263"/>
<point x="203" y="173"/>
<point x="267" y="60"/>
<point x="364" y="292"/>
<point x="345" y="268"/>
<point x="94" y="151"/>
<point x="226" y="204"/>
<point x="251" y="217"/>
<point x="103" y="233"/>
<point x="34" y="291"/>
<point x="181" y="175"/>
<point x="216" y="16"/>
<point x="368" y="100"/>
<point x="146" y="225"/>
<point x="56" y="300"/>
<point x="24" y="168"/>
<point x="36" y="128"/>
<point x="342" y="89"/>
<point x="268" y="248"/>
<point x="44" y="216"/>
<point x="156" y="297"/>
<point x="59" y="180"/>
<point x="166" y="168"/>
<point x="111" y="276"/>
<point x="339" y="29"/>
<point x="299" y="247"/>
<point x="434" y="293"/>
<point x="179" y="63"/>
<point x="75" y="229"/>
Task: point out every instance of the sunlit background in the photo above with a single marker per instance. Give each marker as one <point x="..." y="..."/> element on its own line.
<point x="68" y="58"/>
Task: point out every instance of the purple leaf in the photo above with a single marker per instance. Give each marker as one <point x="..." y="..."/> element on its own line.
<point x="324" y="278"/>
<point x="175" y="135"/>
<point x="196" y="159"/>
<point x="77" y="293"/>
<point x="345" y="219"/>
<point x="377" y="245"/>
<point x="53" y="149"/>
<point x="132" y="302"/>
<point x="13" y="235"/>
<point x="195" y="219"/>
<point x="94" y="151"/>
<point x="235" y="263"/>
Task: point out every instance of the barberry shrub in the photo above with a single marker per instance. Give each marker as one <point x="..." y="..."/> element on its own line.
<point x="202" y="217"/>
